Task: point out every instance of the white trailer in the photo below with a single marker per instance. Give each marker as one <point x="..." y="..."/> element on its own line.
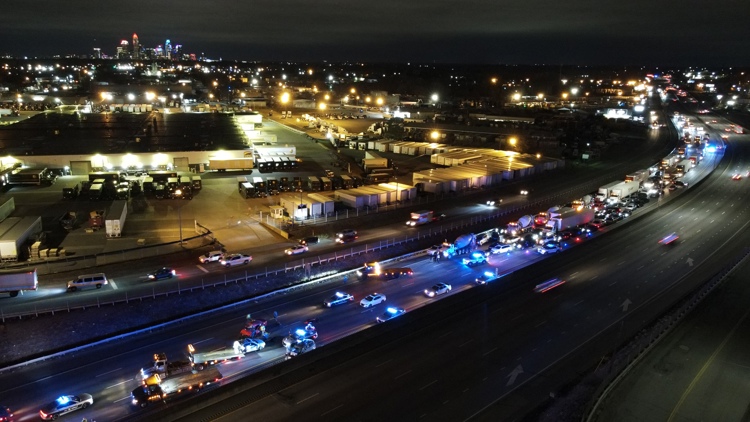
<point x="638" y="176"/>
<point x="420" y="217"/>
<point x="623" y="190"/>
<point x="15" y="282"/>
<point x="12" y="241"/>
<point x="604" y="191"/>
<point x="115" y="222"/>
<point x="565" y="218"/>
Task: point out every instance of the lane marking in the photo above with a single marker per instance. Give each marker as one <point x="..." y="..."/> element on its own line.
<point x="108" y="372"/>
<point x="335" y="408"/>
<point x="114" y="285"/>
<point x="405" y="373"/>
<point x="381" y="364"/>
<point x="202" y="341"/>
<point x="308" y="398"/>
<point x="200" y="267"/>
<point x="119" y="383"/>
<point x="427" y="385"/>
<point x="485" y="354"/>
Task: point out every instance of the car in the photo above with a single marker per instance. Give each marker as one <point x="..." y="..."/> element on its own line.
<point x="500" y="248"/>
<point x="390" y="313"/>
<point x="736" y="176"/>
<point x="309" y="332"/>
<point x="300" y="347"/>
<point x="598" y="224"/>
<point x="329" y="173"/>
<point x="437" y="289"/>
<point x="235" y="259"/>
<point x="163" y="272"/>
<point x="346" y="232"/>
<point x="247" y="345"/>
<point x="311" y="240"/>
<point x="372" y="300"/>
<point x="549" y="247"/>
<point x="680" y="184"/>
<point x="346" y="239"/>
<point x="339" y="298"/>
<point x="485" y="277"/>
<point x="5" y="414"/>
<point x="666" y="240"/>
<point x="294" y="250"/>
<point x="64" y="405"/>
<point x="212" y="256"/>
<point x="548" y="285"/>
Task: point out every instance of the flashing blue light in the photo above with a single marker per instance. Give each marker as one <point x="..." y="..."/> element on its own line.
<point x="392" y="310"/>
<point x="710" y="149"/>
<point x="477" y="254"/>
<point x="63" y="400"/>
<point x="489" y="273"/>
<point x="339" y="295"/>
<point x="300" y="332"/>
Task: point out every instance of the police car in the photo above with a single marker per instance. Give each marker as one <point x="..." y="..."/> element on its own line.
<point x="64" y="405"/>
<point x="339" y="298"/>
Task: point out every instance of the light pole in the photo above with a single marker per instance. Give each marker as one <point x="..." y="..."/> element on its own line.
<point x="284" y="100"/>
<point x="178" y="193"/>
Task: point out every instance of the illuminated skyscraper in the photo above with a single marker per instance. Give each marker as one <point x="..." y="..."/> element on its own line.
<point x="136" y="47"/>
<point x="168" y="50"/>
<point x="123" y="50"/>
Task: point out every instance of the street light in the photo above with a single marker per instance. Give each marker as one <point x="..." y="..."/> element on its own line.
<point x="178" y="193"/>
<point x="284" y="100"/>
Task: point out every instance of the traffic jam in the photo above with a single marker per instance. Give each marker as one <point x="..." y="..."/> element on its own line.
<point x="535" y="236"/>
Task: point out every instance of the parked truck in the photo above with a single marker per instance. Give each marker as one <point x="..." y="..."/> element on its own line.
<point x="68" y="221"/>
<point x="205" y="359"/>
<point x="115" y="221"/>
<point x="165" y="368"/>
<point x="230" y="164"/>
<point x="462" y="244"/>
<point x="420" y="217"/>
<point x="15" y="282"/>
<point x="155" y="389"/>
<point x="565" y="218"/>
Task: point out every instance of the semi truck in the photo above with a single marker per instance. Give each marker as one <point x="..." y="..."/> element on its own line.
<point x="16" y="282"/>
<point x="683" y="167"/>
<point x="115" y="221"/>
<point x="165" y="368"/>
<point x="638" y="176"/>
<point x="230" y="164"/>
<point x="420" y="217"/>
<point x="462" y="244"/>
<point x="156" y="389"/>
<point x="565" y="218"/>
<point x="623" y="190"/>
<point x="604" y="191"/>
<point x="205" y="359"/>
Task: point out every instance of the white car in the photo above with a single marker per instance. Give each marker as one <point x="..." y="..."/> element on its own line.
<point x="235" y="259"/>
<point x="294" y="250"/>
<point x="247" y="345"/>
<point x="500" y="248"/>
<point x="372" y="300"/>
<point x="212" y="256"/>
<point x="64" y="405"/>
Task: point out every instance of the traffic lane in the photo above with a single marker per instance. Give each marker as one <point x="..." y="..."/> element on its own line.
<point x="210" y="338"/>
<point x="698" y="369"/>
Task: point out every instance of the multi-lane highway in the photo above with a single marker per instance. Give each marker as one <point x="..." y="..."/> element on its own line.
<point x="512" y="325"/>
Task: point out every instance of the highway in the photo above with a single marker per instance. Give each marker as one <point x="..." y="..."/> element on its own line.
<point x="515" y="349"/>
<point x="512" y="311"/>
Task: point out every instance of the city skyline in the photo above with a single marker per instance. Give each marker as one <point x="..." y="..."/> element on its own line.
<point x="480" y="31"/>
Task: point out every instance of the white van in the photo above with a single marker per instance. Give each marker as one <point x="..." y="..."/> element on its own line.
<point x="89" y="280"/>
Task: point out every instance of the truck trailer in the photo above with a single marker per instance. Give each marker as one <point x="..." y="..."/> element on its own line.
<point x="565" y="218"/>
<point x="231" y="164"/>
<point x="15" y="282"/>
<point x="623" y="190"/>
<point x="115" y="221"/>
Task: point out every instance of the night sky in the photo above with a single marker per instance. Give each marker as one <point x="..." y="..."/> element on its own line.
<point x="589" y="32"/>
